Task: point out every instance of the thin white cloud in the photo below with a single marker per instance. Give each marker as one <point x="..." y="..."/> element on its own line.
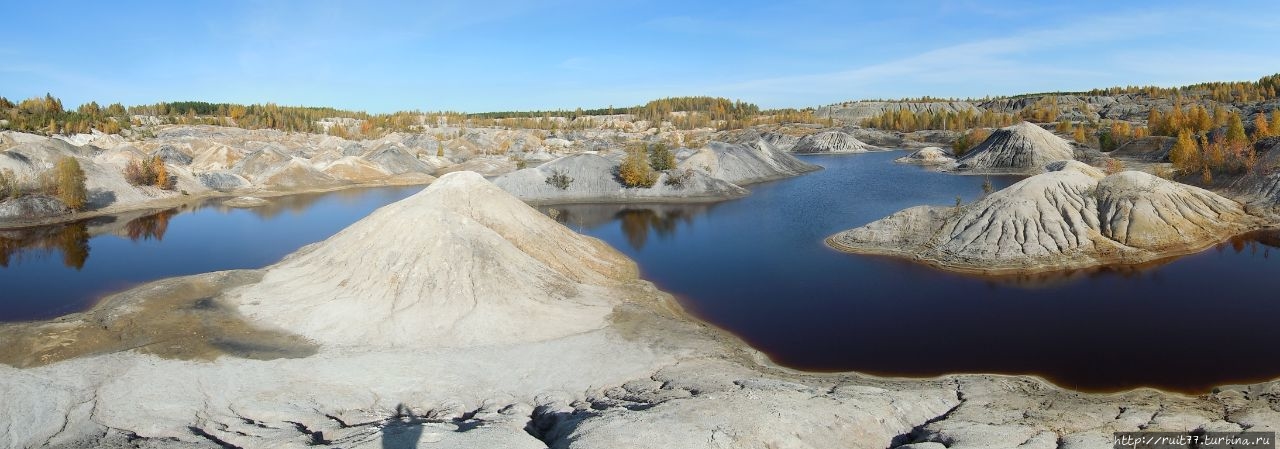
<point x="1195" y="65"/>
<point x="1023" y="60"/>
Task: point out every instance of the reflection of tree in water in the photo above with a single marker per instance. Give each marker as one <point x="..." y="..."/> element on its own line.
<point x="1259" y="243"/>
<point x="638" y="223"/>
<point x="72" y="240"/>
<point x="1256" y="244"/>
<point x="149" y="227"/>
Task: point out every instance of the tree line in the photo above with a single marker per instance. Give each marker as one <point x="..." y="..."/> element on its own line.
<point x="905" y="120"/>
<point x="46" y="115"/>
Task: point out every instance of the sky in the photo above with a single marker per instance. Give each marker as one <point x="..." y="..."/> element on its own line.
<point x="479" y="55"/>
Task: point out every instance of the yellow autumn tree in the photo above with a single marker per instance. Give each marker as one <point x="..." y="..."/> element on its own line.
<point x="1274" y="126"/>
<point x="635" y="170"/>
<point x="1235" y="132"/>
<point x="70" y="183"/>
<point x="1155" y="122"/>
<point x="161" y="173"/>
<point x="1262" y="129"/>
<point x="1185" y="155"/>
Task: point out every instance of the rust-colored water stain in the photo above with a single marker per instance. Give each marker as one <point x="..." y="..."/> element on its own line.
<point x="179" y="318"/>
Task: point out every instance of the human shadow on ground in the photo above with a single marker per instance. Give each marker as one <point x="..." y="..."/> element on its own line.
<point x="403" y="430"/>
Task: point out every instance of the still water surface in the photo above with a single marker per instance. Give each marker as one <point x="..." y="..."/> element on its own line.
<point x="757" y="267"/>
<point x="55" y="270"/>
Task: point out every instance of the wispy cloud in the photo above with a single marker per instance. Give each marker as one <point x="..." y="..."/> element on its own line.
<point x="1022" y="57"/>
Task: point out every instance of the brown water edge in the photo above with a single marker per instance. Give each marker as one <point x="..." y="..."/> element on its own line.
<point x="177" y="318"/>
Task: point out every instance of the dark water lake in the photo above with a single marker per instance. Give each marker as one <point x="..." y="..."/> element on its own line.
<point x="757" y="266"/>
<point x="51" y="271"/>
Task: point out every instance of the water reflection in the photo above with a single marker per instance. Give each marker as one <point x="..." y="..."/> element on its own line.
<point x="757" y="267"/>
<point x="300" y="203"/>
<point x="150" y="226"/>
<point x="1256" y="244"/>
<point x="140" y="246"/>
<point x="72" y="240"/>
<point x="636" y="221"/>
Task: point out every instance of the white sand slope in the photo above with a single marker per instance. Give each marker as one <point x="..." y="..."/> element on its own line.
<point x="461" y="263"/>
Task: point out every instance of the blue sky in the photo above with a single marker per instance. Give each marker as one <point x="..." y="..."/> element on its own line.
<point x="502" y="55"/>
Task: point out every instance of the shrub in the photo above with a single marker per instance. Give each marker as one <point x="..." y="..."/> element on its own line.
<point x="678" y="178"/>
<point x="140" y="173"/>
<point x="1113" y="166"/>
<point x="151" y="172"/>
<point x="70" y="183"/>
<point x="661" y="158"/>
<point x="559" y="179"/>
<point x="9" y="187"/>
<point x="969" y="140"/>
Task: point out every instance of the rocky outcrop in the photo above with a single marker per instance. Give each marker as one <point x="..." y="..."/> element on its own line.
<point x="217" y="157"/>
<point x="1148" y="149"/>
<point x="396" y="160"/>
<point x="1260" y="187"/>
<point x="213" y="161"/>
<point x="171" y="155"/>
<point x="1069" y="218"/>
<point x="355" y="169"/>
<point x="778" y="138"/>
<point x="779" y="141"/>
<point x="894" y="139"/>
<point x="854" y="113"/>
<point x="927" y="156"/>
<point x="1021" y="148"/>
<point x="32" y="206"/>
<point x="222" y="181"/>
<point x="711" y="173"/>
<point x="831" y="142"/>
<point x="546" y="339"/>
<point x="594" y="178"/>
<point x="740" y="164"/>
<point x="484" y="165"/>
<point x="295" y="174"/>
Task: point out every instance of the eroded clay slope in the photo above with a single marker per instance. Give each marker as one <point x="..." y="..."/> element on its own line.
<point x="1071" y="217"/>
<point x="1021" y="148"/>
